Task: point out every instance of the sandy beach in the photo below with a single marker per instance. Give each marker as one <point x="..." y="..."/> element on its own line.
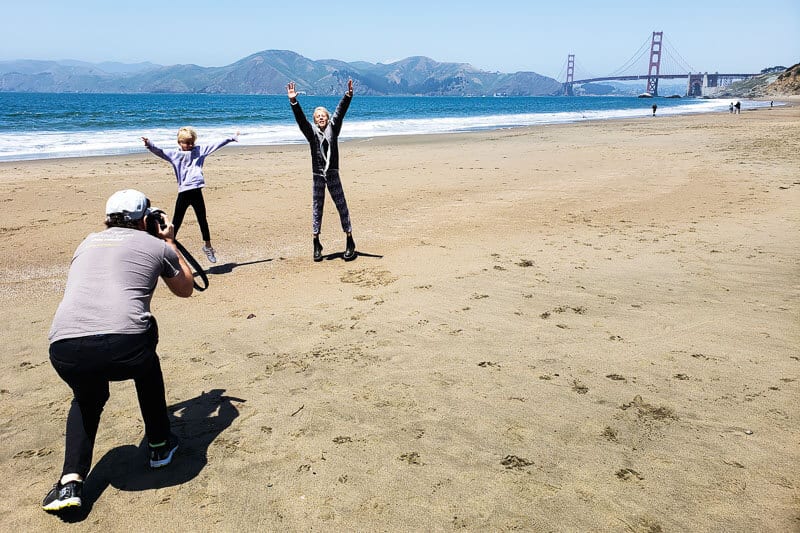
<point x="585" y="327"/>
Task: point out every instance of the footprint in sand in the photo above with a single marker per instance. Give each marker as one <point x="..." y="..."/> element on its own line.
<point x="647" y="410"/>
<point x="512" y="462"/>
<point x="578" y="310"/>
<point x="609" y="434"/>
<point x="626" y="474"/>
<point x="579" y="387"/>
<point x="27" y="454"/>
<point x="368" y="277"/>
<point x="411" y="458"/>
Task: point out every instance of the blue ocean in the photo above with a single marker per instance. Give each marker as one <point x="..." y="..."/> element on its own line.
<point x="42" y="126"/>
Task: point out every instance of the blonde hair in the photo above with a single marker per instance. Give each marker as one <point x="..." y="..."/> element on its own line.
<point x="320" y="108"/>
<point x="187" y="133"/>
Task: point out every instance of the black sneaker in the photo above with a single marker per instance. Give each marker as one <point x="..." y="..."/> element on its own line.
<point x="317" y="250"/>
<point x="162" y="455"/>
<point x="350" y="249"/>
<point x="63" y="497"/>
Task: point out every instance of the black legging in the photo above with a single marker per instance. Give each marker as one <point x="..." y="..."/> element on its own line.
<point x="194" y="198"/>
<point x="87" y="364"/>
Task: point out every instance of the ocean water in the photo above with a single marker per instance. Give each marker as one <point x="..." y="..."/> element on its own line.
<point x="42" y="126"/>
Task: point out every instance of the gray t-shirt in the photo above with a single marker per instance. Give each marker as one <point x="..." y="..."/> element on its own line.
<point x="110" y="283"/>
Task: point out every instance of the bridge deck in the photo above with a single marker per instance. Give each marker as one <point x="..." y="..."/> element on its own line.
<point x="663" y="76"/>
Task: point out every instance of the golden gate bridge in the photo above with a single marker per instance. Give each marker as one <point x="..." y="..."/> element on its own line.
<point x="661" y="63"/>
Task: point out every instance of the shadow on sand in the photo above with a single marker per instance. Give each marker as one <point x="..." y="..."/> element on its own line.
<point x="196" y="423"/>
<point x="340" y="255"/>
<point x="227" y="268"/>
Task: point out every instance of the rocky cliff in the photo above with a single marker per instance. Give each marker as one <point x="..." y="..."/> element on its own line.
<point x="771" y="85"/>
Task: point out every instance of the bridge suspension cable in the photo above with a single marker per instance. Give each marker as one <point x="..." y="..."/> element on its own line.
<point x="680" y="61"/>
<point x="562" y="75"/>
<point x="580" y="72"/>
<point x="635" y="58"/>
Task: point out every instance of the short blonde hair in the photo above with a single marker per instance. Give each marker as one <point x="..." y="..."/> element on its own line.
<point x="324" y="110"/>
<point x="187" y="133"/>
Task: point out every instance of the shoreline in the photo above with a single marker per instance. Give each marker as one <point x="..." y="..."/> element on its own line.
<point x="90" y="143"/>
<point x="563" y="327"/>
<point x="788" y="103"/>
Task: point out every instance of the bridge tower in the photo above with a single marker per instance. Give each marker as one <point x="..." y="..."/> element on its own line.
<point x="655" y="63"/>
<point x="695" y="85"/>
<point x="570" y="75"/>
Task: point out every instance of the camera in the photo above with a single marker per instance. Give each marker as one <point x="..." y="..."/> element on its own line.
<point x="155" y="221"/>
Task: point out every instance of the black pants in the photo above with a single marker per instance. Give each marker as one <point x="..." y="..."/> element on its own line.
<point x="87" y="364"/>
<point x="194" y="198"/>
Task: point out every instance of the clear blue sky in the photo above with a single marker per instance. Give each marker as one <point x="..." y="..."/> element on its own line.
<point x="510" y="36"/>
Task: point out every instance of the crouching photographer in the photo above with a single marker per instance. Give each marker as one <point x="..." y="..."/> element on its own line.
<point x="103" y="331"/>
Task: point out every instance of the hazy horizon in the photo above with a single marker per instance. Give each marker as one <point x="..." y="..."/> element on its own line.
<point x="520" y="37"/>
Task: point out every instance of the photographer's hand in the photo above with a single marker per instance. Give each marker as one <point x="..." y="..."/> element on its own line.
<point x="166" y="230"/>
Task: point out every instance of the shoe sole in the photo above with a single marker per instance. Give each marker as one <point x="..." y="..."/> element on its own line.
<point x="56" y="506"/>
<point x="165" y="461"/>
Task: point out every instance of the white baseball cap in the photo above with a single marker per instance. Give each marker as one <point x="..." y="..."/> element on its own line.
<point x="129" y="202"/>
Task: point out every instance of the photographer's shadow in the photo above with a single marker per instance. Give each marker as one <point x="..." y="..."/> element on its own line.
<point x="196" y="422"/>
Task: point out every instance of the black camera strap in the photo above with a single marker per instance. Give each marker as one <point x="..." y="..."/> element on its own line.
<point x="195" y="265"/>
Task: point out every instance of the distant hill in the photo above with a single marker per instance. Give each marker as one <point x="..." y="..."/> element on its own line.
<point x="113" y="67"/>
<point x="268" y="72"/>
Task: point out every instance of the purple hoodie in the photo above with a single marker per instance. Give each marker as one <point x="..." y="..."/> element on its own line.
<point x="188" y="164"/>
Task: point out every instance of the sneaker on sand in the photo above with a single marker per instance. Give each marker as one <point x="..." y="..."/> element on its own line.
<point x="63" y="497"/>
<point x="162" y="455"/>
<point x="210" y="253"/>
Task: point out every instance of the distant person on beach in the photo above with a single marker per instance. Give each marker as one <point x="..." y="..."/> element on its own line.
<point x="738" y="106"/>
<point x="188" y="166"/>
<point x="730" y="108"/>
<point x="655" y="106"/>
<point x="324" y="142"/>
<point x="103" y="331"/>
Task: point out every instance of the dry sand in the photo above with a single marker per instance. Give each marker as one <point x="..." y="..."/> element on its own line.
<point x="562" y="328"/>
